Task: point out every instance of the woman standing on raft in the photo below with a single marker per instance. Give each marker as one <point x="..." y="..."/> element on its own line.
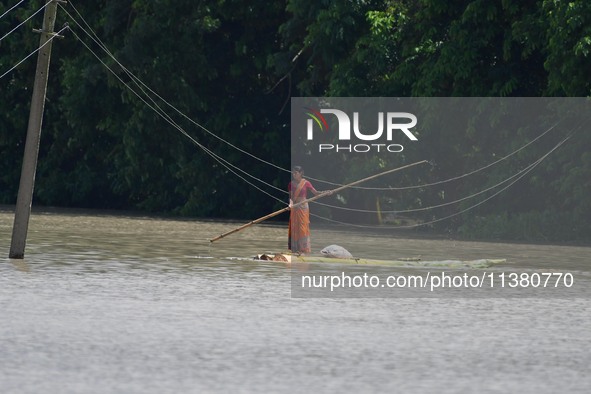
<point x="299" y="216"/>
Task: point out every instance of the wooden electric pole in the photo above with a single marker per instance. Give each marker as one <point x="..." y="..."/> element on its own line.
<point x="27" y="182"/>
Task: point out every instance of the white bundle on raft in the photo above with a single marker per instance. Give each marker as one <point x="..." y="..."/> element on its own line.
<point x="337" y="252"/>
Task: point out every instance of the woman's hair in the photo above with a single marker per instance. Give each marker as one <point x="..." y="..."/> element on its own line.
<point x="298" y="169"/>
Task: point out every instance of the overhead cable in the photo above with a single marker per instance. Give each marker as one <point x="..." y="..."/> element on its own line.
<point x="23" y="22"/>
<point x="35" y="51"/>
<point x="167" y="118"/>
<point x="11" y="8"/>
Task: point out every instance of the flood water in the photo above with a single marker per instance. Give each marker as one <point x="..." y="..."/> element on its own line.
<point x="119" y="304"/>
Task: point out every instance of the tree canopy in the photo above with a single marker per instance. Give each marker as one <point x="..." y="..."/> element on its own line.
<point x="167" y="116"/>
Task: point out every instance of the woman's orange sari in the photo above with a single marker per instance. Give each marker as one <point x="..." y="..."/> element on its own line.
<point x="299" y="226"/>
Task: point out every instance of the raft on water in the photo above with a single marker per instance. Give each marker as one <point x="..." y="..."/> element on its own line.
<point x="398" y="262"/>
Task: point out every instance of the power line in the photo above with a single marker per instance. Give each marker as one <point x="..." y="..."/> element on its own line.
<point x="11" y="8"/>
<point x="156" y="108"/>
<point x="226" y="164"/>
<point x="34" y="52"/>
<point x="97" y="40"/>
<point x="23" y="22"/>
<point x="438" y="205"/>
<point x="142" y="85"/>
<point x="466" y="174"/>
<point x="529" y="169"/>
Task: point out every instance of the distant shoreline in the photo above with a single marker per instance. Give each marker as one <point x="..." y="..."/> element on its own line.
<point x="402" y="233"/>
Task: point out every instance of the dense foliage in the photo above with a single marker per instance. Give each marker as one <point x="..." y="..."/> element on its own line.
<point x="231" y="66"/>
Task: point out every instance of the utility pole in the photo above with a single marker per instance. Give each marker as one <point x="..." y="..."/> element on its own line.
<point x="27" y="182"/>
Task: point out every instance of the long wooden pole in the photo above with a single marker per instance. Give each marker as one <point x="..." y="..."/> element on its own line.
<point x="313" y="199"/>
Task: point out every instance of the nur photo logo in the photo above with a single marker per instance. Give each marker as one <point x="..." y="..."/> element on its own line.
<point x="390" y="125"/>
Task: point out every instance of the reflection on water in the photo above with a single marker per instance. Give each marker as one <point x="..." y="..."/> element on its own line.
<point x="143" y="305"/>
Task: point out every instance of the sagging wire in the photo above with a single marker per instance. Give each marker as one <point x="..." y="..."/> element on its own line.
<point x="35" y="51"/>
<point x="156" y="108"/>
<point x="226" y="164"/>
<point x="434" y="206"/>
<point x="529" y="169"/>
<point x="97" y="40"/>
<point x="138" y="82"/>
<point x="11" y="8"/>
<point x="463" y="175"/>
<point x="23" y="22"/>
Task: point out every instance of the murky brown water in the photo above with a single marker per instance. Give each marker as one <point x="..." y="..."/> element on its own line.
<point x="105" y="303"/>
